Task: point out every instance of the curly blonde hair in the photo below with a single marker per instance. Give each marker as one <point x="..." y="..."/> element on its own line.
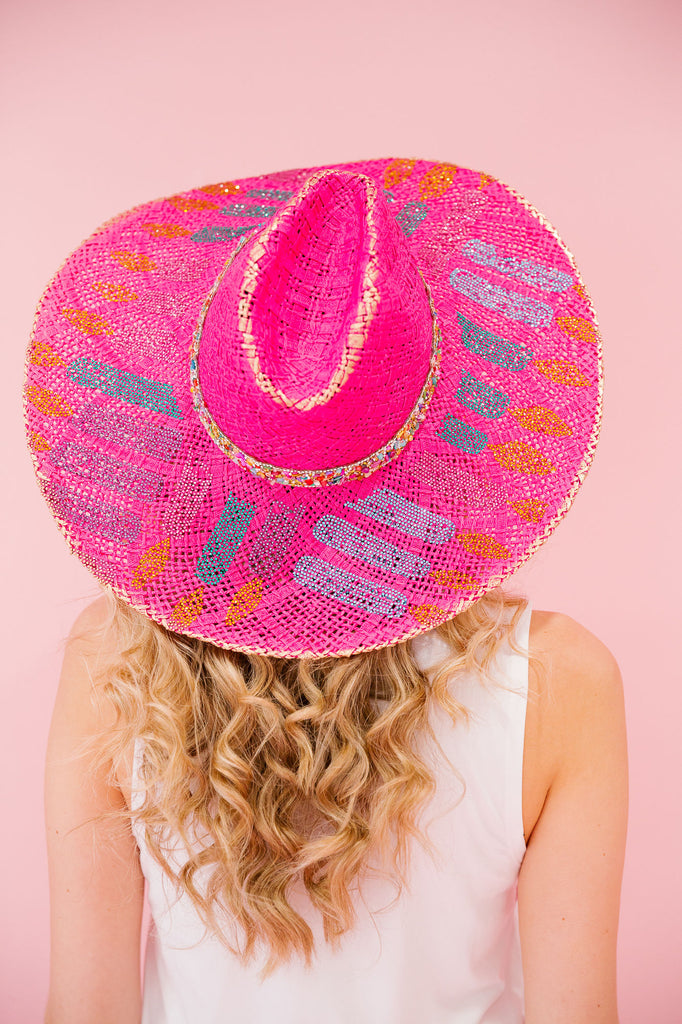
<point x="289" y="766"/>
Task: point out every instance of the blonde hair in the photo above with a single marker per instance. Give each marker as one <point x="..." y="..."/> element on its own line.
<point x="287" y="765"/>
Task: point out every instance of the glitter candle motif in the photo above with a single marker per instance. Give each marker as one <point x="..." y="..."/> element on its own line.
<point x="481" y="397"/>
<point x="222" y="545"/>
<point x="343" y="536"/>
<point x="109" y="472"/>
<point x="221" y="232"/>
<point x="471" y="491"/>
<point x="106" y="520"/>
<point x="493" y="296"/>
<point x="127" y="431"/>
<point x="392" y="509"/>
<point x="268" y="193"/>
<point x="272" y="543"/>
<point x="188" y="497"/>
<point x="242" y="210"/>
<point x="547" y="278"/>
<point x="458" y="433"/>
<point x="184" y="269"/>
<point x="324" y="578"/>
<point x="152" y="394"/>
<point x="411" y="216"/>
<point x="447" y="234"/>
<point x="165" y="305"/>
<point x="492" y="347"/>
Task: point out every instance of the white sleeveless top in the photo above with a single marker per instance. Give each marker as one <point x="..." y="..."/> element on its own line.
<point x="448" y="952"/>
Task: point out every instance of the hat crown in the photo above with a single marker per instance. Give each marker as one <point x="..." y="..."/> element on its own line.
<point x="317" y="339"/>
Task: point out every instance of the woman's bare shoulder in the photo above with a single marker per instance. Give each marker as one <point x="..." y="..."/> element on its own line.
<point x="85" y="645"/>
<point x="560" y="632"/>
<point x="582" y="679"/>
<point x="91" y="620"/>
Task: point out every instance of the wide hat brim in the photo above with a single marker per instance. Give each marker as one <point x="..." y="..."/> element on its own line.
<point x="175" y="527"/>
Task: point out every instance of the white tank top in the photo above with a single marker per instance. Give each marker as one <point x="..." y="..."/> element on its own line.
<point x="447" y="952"/>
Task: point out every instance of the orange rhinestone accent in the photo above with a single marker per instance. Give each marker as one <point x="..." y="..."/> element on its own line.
<point x="47" y="401"/>
<point x="222" y="188"/>
<point x="436" y="181"/>
<point x="577" y="327"/>
<point x="560" y="371"/>
<point x="454" y="578"/>
<point x="40" y="352"/>
<point x="397" y="172"/>
<point x="88" y="323"/>
<point x="133" y="260"/>
<point x="166" y="230"/>
<point x="516" y="455"/>
<point x="542" y="420"/>
<point x="483" y="545"/>
<point x="485" y="179"/>
<point x="428" y="614"/>
<point x="244" y="601"/>
<point x="532" y="510"/>
<point x="188" y="608"/>
<point x="152" y="563"/>
<point x="38" y="443"/>
<point x="114" y="292"/>
<point x="186" y="204"/>
<point x="580" y="290"/>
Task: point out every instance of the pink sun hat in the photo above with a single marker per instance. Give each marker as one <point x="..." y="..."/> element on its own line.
<point x="318" y="411"/>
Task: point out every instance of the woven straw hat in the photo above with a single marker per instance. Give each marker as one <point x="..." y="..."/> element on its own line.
<point x="318" y="411"/>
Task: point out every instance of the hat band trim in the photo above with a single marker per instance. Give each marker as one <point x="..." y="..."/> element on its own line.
<point x="316" y="477"/>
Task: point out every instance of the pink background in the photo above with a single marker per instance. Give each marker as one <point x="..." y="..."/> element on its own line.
<point x="575" y="105"/>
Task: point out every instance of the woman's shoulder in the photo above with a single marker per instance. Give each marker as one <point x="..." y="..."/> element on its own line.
<point x="576" y="659"/>
<point x="77" y="692"/>
<point x="579" y="685"/>
<point x="90" y="620"/>
<point x="90" y="643"/>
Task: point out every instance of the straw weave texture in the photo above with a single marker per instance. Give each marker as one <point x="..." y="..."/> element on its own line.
<point x="317" y="411"/>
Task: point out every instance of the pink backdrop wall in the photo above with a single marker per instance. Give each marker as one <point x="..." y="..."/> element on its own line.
<point x="578" y="107"/>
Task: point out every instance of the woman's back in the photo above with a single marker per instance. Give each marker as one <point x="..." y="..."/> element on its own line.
<point x="567" y="793"/>
<point x="446" y="951"/>
<point x="542" y="725"/>
<point x="454" y="941"/>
